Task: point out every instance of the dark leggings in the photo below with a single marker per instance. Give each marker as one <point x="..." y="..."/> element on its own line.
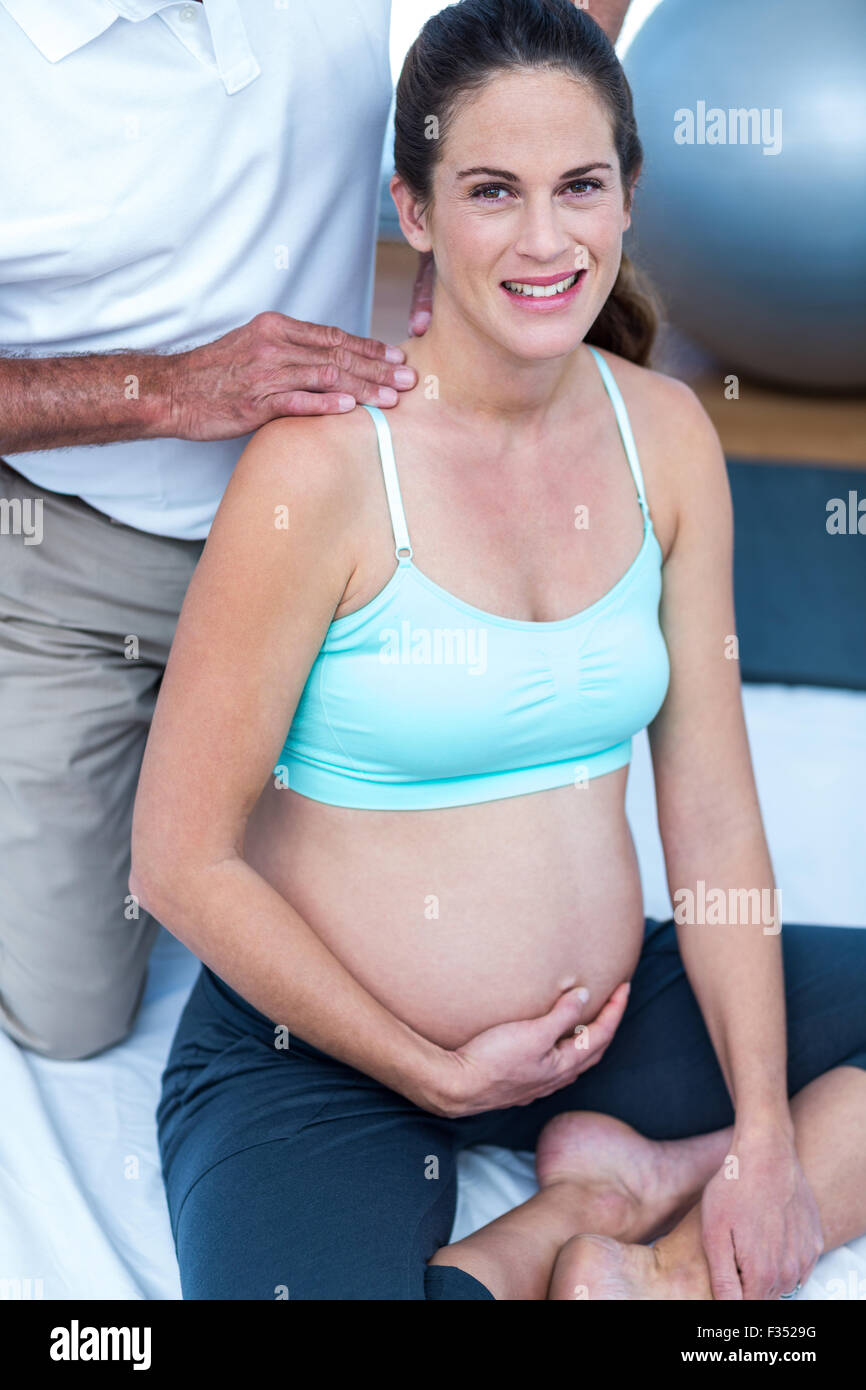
<point x="289" y="1174"/>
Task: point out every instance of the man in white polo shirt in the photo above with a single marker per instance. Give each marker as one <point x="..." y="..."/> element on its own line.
<point x="187" y="237"/>
<point x="168" y="172"/>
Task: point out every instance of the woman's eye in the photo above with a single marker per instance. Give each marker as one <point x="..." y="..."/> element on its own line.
<point x="479" y="193"/>
<point x="590" y="184"/>
<point x="496" y="193"/>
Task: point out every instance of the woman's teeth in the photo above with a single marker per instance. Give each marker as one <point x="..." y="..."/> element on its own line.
<point x="541" y="291"/>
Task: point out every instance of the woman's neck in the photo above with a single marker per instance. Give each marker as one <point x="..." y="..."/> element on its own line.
<point x="478" y="378"/>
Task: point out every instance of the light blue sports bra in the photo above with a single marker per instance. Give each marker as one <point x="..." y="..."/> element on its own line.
<point x="420" y="700"/>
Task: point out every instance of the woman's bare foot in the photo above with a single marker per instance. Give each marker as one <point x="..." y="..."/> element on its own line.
<point x="595" y="1174"/>
<point x="597" y="1267"/>
<point x="625" y="1185"/>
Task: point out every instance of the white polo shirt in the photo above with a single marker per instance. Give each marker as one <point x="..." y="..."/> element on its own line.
<point x="169" y="170"/>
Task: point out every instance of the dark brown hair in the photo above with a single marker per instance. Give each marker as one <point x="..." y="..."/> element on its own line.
<point x="459" y="51"/>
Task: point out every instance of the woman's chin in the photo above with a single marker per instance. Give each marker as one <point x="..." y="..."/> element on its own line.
<point x="540" y="342"/>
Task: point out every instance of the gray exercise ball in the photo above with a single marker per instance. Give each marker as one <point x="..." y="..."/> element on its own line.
<point x="760" y="258"/>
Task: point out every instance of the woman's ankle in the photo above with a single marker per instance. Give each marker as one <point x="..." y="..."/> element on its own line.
<point x="682" y="1263"/>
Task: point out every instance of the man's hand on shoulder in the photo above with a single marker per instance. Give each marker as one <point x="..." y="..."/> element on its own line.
<point x="267" y="369"/>
<point x="278" y="366"/>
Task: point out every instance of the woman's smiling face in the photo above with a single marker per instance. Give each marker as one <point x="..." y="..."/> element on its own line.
<point x="527" y="195"/>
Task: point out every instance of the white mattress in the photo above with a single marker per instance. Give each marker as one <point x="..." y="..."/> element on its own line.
<point x="82" y="1211"/>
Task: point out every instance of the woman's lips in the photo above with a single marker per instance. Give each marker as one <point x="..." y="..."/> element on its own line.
<point x="547" y="302"/>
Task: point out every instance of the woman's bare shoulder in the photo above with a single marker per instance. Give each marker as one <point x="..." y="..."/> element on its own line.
<point x="654" y="399"/>
<point x="302" y="478"/>
<point x="323" y="457"/>
<point x="665" y="412"/>
<point x="679" y="449"/>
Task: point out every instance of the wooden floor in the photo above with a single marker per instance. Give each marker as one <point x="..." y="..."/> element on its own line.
<point x="762" y="424"/>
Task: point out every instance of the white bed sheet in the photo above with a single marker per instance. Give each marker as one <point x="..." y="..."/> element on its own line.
<point x="82" y="1210"/>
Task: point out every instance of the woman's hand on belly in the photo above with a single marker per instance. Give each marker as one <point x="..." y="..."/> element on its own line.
<point x="516" y="1063"/>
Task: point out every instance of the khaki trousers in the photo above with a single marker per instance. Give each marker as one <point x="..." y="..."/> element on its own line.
<point x="88" y="609"/>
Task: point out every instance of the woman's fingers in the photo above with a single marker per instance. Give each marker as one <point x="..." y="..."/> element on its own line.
<point x="516" y="1063"/>
<point x="562" y="1018"/>
<point x="589" y="1040"/>
<point x="721" y="1260"/>
<point x="611" y="1013"/>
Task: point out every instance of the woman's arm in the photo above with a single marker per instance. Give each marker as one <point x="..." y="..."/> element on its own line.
<point x="710" y="819"/>
<point x="253" y="620"/>
<point x="252" y="623"/>
<point x="709" y="815"/>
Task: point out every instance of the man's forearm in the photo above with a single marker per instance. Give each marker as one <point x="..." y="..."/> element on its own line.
<point x="56" y="402"/>
<point x="609" y="15"/>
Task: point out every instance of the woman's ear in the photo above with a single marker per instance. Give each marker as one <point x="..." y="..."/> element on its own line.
<point x="413" y="223"/>
<point x="629" y="198"/>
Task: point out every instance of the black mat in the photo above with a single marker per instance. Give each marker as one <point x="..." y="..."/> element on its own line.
<point x="800" y="591"/>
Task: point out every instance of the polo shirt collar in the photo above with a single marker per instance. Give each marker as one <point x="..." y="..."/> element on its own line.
<point x="60" y="29"/>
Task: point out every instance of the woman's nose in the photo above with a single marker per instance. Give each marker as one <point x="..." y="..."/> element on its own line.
<point x="541" y="234"/>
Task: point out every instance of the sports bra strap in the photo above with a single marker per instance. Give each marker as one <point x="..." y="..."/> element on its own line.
<point x="403" y="546"/>
<point x="624" y="424"/>
<point x="392" y="485"/>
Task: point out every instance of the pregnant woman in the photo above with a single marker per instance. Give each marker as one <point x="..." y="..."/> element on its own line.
<point x="383" y="797"/>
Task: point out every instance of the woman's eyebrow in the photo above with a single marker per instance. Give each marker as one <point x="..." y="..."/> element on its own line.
<point x="513" y="178"/>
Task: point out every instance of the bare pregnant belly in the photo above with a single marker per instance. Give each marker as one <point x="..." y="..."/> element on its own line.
<point x="461" y="918"/>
